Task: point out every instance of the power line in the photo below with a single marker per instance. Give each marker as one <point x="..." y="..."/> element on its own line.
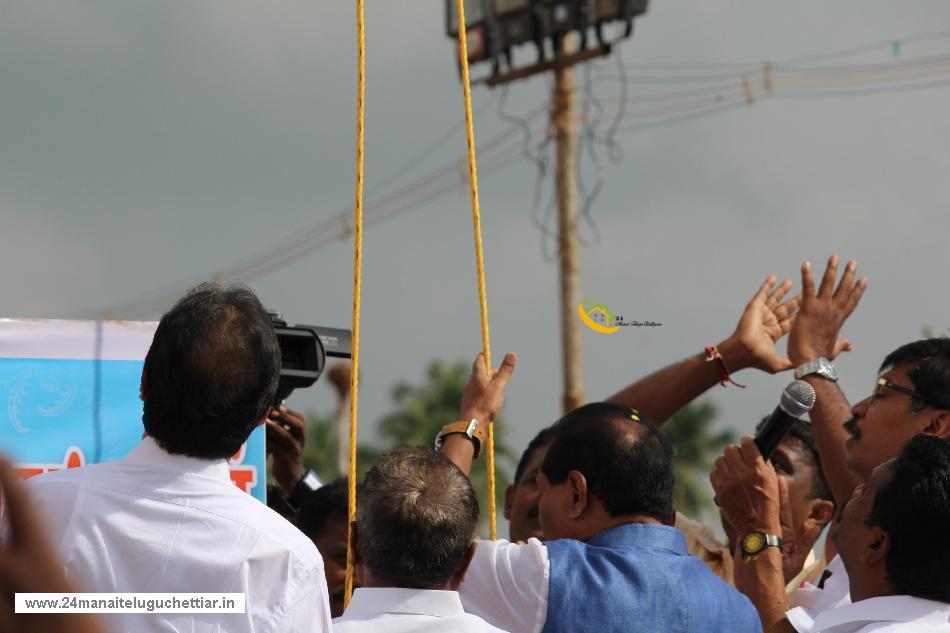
<point x="671" y="108"/>
<point x="740" y="66"/>
<point x="859" y="92"/>
<point x="873" y="46"/>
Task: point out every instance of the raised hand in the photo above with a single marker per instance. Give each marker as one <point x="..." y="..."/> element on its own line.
<point x="821" y="314"/>
<point x="483" y="397"/>
<point x="764" y="321"/>
<point x="747" y="489"/>
<point x="286" y="436"/>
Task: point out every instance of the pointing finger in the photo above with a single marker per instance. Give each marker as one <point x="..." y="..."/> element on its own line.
<point x="503" y="374"/>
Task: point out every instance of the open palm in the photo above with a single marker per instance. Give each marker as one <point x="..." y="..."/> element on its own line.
<point x="763" y="322"/>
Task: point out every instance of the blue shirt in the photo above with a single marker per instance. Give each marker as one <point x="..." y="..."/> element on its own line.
<point x="639" y="577"/>
<point x="635" y="577"/>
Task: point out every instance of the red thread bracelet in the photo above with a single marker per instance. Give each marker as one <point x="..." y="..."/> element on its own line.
<point x="712" y="354"/>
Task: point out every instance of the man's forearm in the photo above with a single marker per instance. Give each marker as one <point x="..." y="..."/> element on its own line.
<point x="664" y="392"/>
<point x="460" y="451"/>
<point x="830" y="412"/>
<point x="763" y="582"/>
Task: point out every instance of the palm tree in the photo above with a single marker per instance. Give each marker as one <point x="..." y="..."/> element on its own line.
<point x="421" y="411"/>
<point x="320" y="452"/>
<point x="695" y="448"/>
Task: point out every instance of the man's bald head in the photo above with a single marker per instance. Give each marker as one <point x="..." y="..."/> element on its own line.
<point x="626" y="460"/>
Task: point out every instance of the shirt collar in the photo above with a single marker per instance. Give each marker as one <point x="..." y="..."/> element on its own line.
<point x="377" y="600"/>
<point x="884" y="609"/>
<point x="148" y="452"/>
<point x="648" y="535"/>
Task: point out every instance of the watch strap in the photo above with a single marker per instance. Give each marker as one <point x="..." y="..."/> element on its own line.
<point x="771" y="540"/>
<point x="820" y="366"/>
<point x="472" y="429"/>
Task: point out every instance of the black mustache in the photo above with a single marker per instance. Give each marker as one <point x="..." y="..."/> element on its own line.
<point x="851" y="426"/>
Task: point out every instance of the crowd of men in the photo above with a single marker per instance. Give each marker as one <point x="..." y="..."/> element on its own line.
<point x="595" y="541"/>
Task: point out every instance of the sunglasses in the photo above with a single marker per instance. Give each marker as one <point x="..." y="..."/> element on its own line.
<point x="884" y="382"/>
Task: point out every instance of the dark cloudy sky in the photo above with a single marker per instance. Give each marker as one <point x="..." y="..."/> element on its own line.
<point x="144" y="145"/>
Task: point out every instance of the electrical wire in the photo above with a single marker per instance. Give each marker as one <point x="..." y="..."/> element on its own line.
<point x="862" y="92"/>
<point x="587" y="141"/>
<point x="871" y="47"/>
<point x="670" y="107"/>
<point x="418" y="158"/>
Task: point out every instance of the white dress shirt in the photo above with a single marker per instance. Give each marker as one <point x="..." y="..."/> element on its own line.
<point x="508" y="582"/>
<point x="812" y="600"/>
<point x="889" y="614"/>
<point x="408" y="611"/>
<point x="156" y="522"/>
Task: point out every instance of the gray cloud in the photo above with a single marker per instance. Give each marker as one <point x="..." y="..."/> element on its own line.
<point x="145" y="143"/>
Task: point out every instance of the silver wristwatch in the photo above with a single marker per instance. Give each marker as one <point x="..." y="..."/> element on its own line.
<point x="821" y="366"/>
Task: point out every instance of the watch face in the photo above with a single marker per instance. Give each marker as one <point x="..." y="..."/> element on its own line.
<point x="753" y="543"/>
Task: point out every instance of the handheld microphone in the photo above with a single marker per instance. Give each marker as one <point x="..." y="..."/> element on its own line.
<point x="797" y="400"/>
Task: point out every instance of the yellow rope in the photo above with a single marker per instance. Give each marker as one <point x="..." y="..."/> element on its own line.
<point x="480" y="263"/>
<point x="357" y="282"/>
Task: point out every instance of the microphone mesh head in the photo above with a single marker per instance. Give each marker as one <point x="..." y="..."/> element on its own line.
<point x="798" y="398"/>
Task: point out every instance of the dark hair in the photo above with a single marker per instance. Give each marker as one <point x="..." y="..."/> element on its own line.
<point x="627" y="461"/>
<point x="416" y="519"/>
<point x="804" y="434"/>
<point x="544" y="438"/>
<point x="931" y="375"/>
<point x="211" y="372"/>
<point x="277" y="501"/>
<point x="913" y="507"/>
<point x="322" y="504"/>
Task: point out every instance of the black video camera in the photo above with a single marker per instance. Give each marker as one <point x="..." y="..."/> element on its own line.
<point x="303" y="352"/>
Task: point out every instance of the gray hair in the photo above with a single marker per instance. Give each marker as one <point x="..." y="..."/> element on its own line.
<point x="416" y="518"/>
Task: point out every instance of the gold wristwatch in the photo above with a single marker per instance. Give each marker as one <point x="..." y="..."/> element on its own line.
<point x="754" y="543"/>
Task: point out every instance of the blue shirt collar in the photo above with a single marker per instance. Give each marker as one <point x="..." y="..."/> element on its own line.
<point x="648" y="535"/>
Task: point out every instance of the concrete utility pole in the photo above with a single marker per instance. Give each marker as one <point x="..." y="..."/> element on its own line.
<point x="562" y="120"/>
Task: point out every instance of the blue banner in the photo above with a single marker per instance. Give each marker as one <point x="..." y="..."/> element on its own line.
<point x="66" y="412"/>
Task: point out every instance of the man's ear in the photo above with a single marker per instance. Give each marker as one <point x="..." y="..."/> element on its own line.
<point x="819" y="513"/>
<point x="580" y="497"/>
<point x="509" y="501"/>
<point x="270" y="411"/>
<point x="459" y="578"/>
<point x="939" y="424"/>
<point x="875" y="553"/>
